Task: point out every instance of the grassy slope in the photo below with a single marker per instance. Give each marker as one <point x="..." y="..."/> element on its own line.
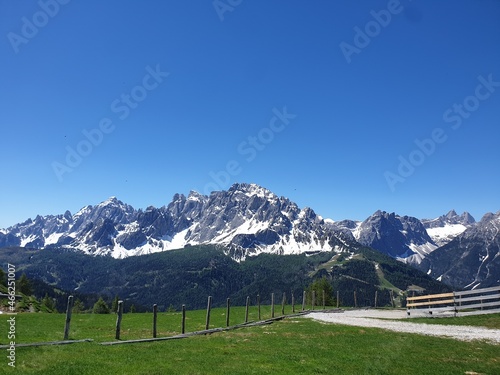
<point x="293" y="346"/>
<point x="384" y="283"/>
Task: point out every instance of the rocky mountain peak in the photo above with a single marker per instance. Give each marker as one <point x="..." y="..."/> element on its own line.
<point x="467" y="218"/>
<point x="194" y="195"/>
<point x="451" y="218"/>
<point x="470" y="260"/>
<point x="397" y="236"/>
<point x="110" y="201"/>
<point x="490" y="216"/>
<point x="451" y="214"/>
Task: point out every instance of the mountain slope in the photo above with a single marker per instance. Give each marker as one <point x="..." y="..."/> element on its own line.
<point x="471" y="260"/>
<point x="188" y="276"/>
<point x="394" y="235"/>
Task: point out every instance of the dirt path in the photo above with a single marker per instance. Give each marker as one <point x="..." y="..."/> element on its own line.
<point x="375" y="319"/>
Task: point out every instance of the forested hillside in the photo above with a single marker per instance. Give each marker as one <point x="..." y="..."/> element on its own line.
<point x="189" y="275"/>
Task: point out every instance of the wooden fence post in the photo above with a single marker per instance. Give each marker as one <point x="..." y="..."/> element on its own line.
<point x="304" y="300"/>
<point x="209" y="307"/>
<point x="69" y="310"/>
<point x="313" y="299"/>
<point x="272" y="305"/>
<point x="324" y="301"/>
<point x="119" y="319"/>
<point x="228" y="307"/>
<point x="283" y="304"/>
<point x="376" y="298"/>
<point x="454" y="304"/>
<point x="258" y="304"/>
<point x="155" y="316"/>
<point x="338" y="299"/>
<point x="293" y="304"/>
<point x="246" y="309"/>
<point x="355" y="300"/>
<point x="183" y="324"/>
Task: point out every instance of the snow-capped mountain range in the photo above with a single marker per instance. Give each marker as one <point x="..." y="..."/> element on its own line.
<point x="247" y="219"/>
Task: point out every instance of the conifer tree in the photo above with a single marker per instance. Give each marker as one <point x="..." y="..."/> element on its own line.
<point x="100" y="307"/>
<point x="78" y="306"/>
<point x="48" y="304"/>
<point x="2" y="278"/>
<point x="24" y="285"/>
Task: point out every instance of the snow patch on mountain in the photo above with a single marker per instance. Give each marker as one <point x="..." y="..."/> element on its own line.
<point x="27" y="240"/>
<point x="52" y="238"/>
<point x="443" y="235"/>
<point x="446" y="227"/>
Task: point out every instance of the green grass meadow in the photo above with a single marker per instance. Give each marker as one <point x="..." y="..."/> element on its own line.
<point x="294" y="345"/>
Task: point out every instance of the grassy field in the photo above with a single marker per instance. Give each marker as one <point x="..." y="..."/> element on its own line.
<point x="291" y="346"/>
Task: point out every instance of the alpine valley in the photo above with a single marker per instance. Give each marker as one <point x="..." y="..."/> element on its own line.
<point x="248" y="222"/>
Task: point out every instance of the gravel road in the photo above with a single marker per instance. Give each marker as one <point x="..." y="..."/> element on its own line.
<point x="377" y="319"/>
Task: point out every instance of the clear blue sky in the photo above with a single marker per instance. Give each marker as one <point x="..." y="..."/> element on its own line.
<point x="352" y="106"/>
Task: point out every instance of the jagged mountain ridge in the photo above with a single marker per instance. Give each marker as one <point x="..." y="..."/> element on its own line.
<point x="472" y="259"/>
<point x="246" y="219"/>
<point x="402" y="237"/>
<point x="446" y="227"/>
